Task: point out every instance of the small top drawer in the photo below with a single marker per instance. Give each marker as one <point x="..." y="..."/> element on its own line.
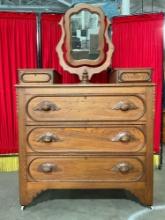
<point x="33" y="76"/>
<point x="125" y="75"/>
<point x="111" y="107"/>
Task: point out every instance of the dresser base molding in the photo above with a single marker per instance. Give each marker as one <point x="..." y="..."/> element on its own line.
<point x="33" y="189"/>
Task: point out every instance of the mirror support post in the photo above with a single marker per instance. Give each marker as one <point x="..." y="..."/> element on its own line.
<point x="85" y="78"/>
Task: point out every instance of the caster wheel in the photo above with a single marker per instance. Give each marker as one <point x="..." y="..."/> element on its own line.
<point x="150" y="207"/>
<point x="22" y="208"/>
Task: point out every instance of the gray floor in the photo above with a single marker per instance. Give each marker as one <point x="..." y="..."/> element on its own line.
<point x="80" y="205"/>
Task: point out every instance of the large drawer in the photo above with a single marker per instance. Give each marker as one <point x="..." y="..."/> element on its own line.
<point x="128" y="169"/>
<point x="92" y="139"/>
<point x="86" y="108"/>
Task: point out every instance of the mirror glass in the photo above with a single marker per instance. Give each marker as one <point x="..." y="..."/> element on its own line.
<point x="84" y="35"/>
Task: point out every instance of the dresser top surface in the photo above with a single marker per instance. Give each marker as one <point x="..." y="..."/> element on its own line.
<point x="37" y="85"/>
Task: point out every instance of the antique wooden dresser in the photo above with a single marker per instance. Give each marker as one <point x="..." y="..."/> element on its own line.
<point x="92" y="136"/>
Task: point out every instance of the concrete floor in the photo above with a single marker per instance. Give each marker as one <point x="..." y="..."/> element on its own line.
<point x="80" y="205"/>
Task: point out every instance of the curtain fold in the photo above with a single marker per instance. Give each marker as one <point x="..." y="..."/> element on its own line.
<point x="138" y="42"/>
<point x="17" y="50"/>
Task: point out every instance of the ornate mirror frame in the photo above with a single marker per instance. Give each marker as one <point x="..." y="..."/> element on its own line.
<point x="67" y="27"/>
<point x="85" y="68"/>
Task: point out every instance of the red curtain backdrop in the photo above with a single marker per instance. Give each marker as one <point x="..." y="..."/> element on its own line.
<point x="17" y="50"/>
<point x="51" y="34"/>
<point x="138" y="42"/>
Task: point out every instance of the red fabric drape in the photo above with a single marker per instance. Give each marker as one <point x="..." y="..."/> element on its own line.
<point x="17" y="50"/>
<point x="138" y="42"/>
<point x="51" y="33"/>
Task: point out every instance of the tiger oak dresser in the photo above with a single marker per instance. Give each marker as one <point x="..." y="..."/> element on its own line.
<point x="92" y="136"/>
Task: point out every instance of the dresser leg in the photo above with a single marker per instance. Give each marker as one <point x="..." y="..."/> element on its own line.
<point x="27" y="196"/>
<point x="25" y="201"/>
<point x="150" y="207"/>
<point x="144" y="196"/>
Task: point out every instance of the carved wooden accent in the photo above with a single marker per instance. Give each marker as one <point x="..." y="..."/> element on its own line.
<point x="124" y="136"/>
<point x="48" y="137"/>
<point x="123" y="167"/>
<point x="125" y="106"/>
<point x="46" y="106"/>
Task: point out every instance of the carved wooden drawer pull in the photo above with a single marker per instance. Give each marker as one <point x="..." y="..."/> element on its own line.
<point x="123" y="137"/>
<point x="48" y="138"/>
<point x="124" y="106"/>
<point x="122" y="167"/>
<point x="47" y="167"/>
<point x="46" y="106"/>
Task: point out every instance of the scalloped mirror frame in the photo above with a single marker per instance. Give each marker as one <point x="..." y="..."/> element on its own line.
<point x="67" y="27"/>
<point x="88" y="67"/>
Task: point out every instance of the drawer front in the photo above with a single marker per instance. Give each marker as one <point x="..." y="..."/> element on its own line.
<point x="133" y="75"/>
<point x="86" y="169"/>
<point x="107" y="139"/>
<point x="86" y="108"/>
<point x="32" y="76"/>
